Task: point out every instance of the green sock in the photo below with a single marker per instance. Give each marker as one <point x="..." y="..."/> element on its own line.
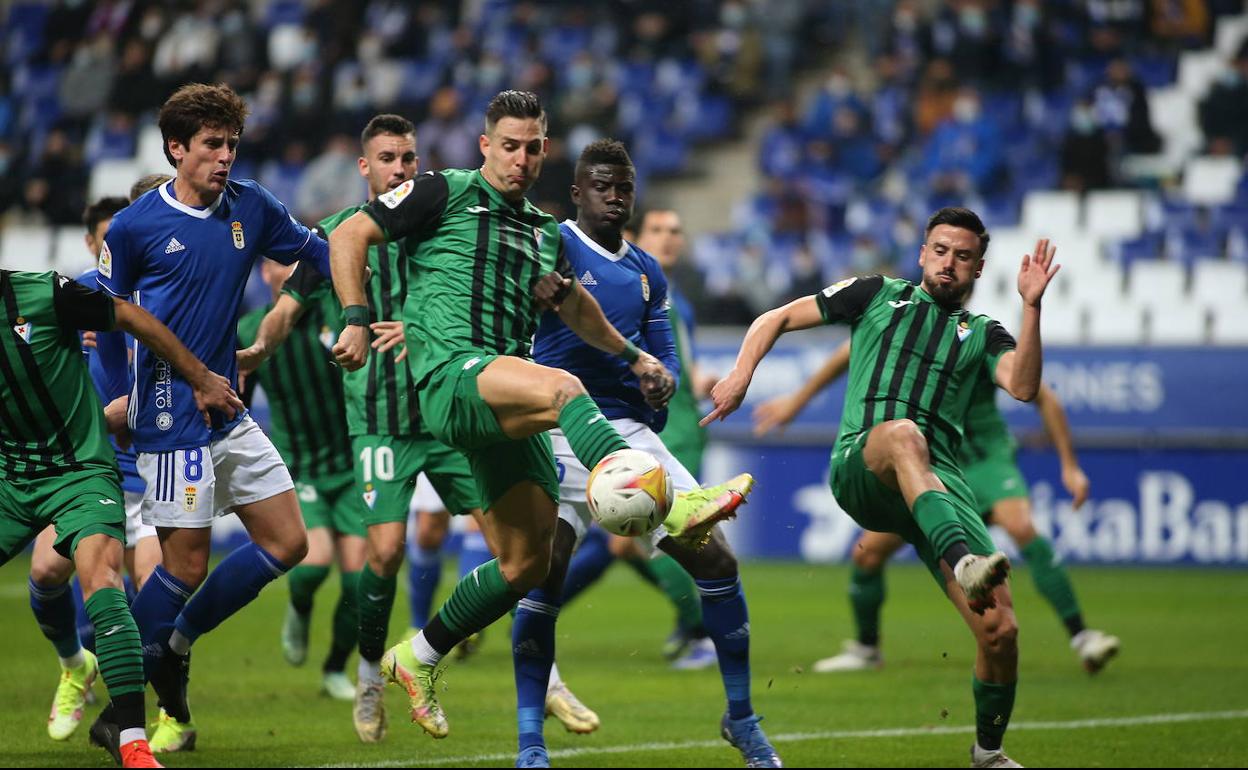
<point x="866" y="597"/>
<point x="303" y="580"/>
<point x="375" y="599"/>
<point x="937" y="516"/>
<point x="346" y="623"/>
<point x="480" y="598"/>
<point x="670" y="578"/>
<point x="117" y="643"/>
<point x="993" y="705"/>
<point x="1050" y="578"/>
<point x="590" y="434"/>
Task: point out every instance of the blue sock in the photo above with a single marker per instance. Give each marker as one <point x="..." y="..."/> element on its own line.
<point x="473" y="553"/>
<point x="155" y="608"/>
<point x="533" y="653"/>
<point x="54" y="612"/>
<point x="727" y="620"/>
<point x="86" y="629"/>
<point x="424" y="572"/>
<point x="230" y="587"/>
<point x="589" y="563"/>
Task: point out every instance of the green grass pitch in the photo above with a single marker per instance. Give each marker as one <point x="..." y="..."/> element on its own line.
<point x="1176" y="696"/>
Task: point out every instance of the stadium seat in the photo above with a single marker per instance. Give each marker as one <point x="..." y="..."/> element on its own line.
<point x="151" y="151"/>
<point x="1113" y="213"/>
<point x="1173" y="114"/>
<point x="1178" y="323"/>
<point x="1061" y="322"/>
<point x="26" y="248"/>
<point x="1198" y="70"/>
<point x="1211" y="181"/>
<point x="69" y="251"/>
<point x="1230" y="324"/>
<point x="1050" y="213"/>
<point x="1215" y="281"/>
<point x="114" y="177"/>
<point x="1230" y="33"/>
<point x="1118" y="323"/>
<point x="1097" y="284"/>
<point x="1154" y="283"/>
<point x="1005" y="307"/>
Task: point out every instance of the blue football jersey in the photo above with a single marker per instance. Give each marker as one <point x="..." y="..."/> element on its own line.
<point x="188" y="267"/>
<point x="109" y="365"/>
<point x="631" y="288"/>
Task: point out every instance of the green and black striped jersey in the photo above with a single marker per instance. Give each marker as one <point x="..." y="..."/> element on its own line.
<point x="51" y="420"/>
<point x="476" y="257"/>
<point x="985" y="431"/>
<point x="380" y="399"/>
<point x="911" y="358"/>
<point x="304" y="388"/>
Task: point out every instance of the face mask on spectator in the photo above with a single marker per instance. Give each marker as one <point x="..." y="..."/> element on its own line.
<point x="966" y="109"/>
<point x="973" y="21"/>
<point x="1082" y="120"/>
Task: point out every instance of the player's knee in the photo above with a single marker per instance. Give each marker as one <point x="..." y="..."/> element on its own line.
<point x="1000" y="637"/>
<point x="291" y="549"/>
<point x="868" y="559"/>
<point x="431" y="530"/>
<point x="566" y="387"/>
<point x="525" y="572"/>
<point x="385" y="559"/>
<point x="99" y="575"/>
<point x="907" y="440"/>
<point x="49" y="572"/>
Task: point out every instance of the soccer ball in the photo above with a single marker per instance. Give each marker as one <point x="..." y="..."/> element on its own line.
<point x="629" y="493"/>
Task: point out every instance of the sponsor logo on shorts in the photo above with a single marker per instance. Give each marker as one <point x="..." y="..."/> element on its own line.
<point x="471" y="363"/>
<point x="370" y="496"/>
<point x="189" y="499"/>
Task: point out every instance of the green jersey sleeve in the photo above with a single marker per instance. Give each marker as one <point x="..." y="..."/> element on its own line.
<point x="999" y="342"/>
<point x="412" y="207"/>
<point x="80" y="308"/>
<point x="846" y="301"/>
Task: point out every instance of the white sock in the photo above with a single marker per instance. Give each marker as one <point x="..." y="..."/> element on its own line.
<point x="74" y="661"/>
<point x="132" y="734"/>
<point x="423" y="652"/>
<point x="179" y="643"/>
<point x="555" y="679"/>
<point x="369" y="671"/>
<point x="961" y="565"/>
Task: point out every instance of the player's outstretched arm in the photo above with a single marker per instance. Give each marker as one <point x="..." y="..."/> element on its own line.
<point x="584" y="316"/>
<point x="778" y="412"/>
<point x="1058" y="429"/>
<point x="348" y="256"/>
<point x="212" y="391"/>
<point x="729" y="392"/>
<point x="274" y="329"/>
<point x="1018" y="371"/>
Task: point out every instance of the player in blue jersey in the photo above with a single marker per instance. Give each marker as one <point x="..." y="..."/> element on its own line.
<point x="632" y="291"/>
<point x="51" y="598"/>
<point x="184" y="252"/>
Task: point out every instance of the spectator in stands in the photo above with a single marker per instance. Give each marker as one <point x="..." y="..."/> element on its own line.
<point x="967" y="33"/>
<point x="933" y="102"/>
<point x="836" y="93"/>
<point x="1181" y="23"/>
<point x="87" y="81"/>
<point x="1085" y="151"/>
<point x="1224" y="112"/>
<point x="904" y="40"/>
<point x="1029" y="49"/>
<point x="448" y="138"/>
<point x="780" y="150"/>
<point x="135" y="89"/>
<point x="331" y="181"/>
<point x="964" y="154"/>
<point x="55" y="188"/>
<point x="1116" y="25"/>
<point x="1122" y="108"/>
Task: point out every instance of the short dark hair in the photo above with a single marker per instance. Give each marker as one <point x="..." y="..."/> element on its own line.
<point x="199" y="105"/>
<point x="956" y="216"/>
<point x="104" y="208"/>
<point x="514" y="104"/>
<point x="610" y="152"/>
<point x="386" y="123"/>
<point x="639" y="221"/>
<point x="147" y="182"/>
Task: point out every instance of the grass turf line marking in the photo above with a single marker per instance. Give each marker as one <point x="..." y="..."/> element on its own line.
<point x="891" y="732"/>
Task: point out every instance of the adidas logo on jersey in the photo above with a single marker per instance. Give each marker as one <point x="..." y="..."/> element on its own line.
<point x="588" y="279"/>
<point x="173" y="246"/>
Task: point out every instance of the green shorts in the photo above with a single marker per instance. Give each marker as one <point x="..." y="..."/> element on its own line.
<point x="453" y="410"/>
<point x="878" y="508"/>
<point x="79" y="503"/>
<point x="386" y="468"/>
<point x="994" y="478"/>
<point x="330" y="502"/>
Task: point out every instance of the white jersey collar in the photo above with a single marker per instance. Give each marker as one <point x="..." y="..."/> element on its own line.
<point x="203" y="213"/>
<point x="591" y="243"/>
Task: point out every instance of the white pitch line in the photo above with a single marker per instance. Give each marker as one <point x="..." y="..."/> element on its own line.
<point x="892" y="732"/>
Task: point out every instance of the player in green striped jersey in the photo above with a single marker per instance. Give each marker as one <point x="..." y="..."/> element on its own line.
<point x="988" y="458"/>
<point x="58" y="468"/>
<point x="309" y="428"/>
<point x="388" y="441"/>
<point x="916" y="356"/>
<point x="483" y="261"/>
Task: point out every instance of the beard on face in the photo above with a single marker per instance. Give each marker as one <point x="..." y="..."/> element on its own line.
<point x="950" y="296"/>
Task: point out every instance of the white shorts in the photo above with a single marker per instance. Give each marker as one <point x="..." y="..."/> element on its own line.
<point x="425" y="498"/>
<point x="573" y="477"/>
<point x="188" y="488"/>
<point x="136" y="530"/>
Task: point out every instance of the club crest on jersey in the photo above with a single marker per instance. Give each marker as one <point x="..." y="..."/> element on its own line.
<point x="236" y="228"/>
<point x="645" y="287"/>
<point x="394" y="197"/>
<point x="370" y="496"/>
<point x="964" y="330"/>
<point x="106" y="261"/>
<point x="189" y="498"/>
<point x="23" y="328"/>
<point x="834" y="288"/>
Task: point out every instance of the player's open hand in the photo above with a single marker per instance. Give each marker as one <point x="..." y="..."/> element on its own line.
<point x="1036" y="272"/>
<point x="775" y="414"/>
<point x="551" y="290"/>
<point x="727" y="396"/>
<point x="389" y="334"/>
<point x="1077" y="484"/>
<point x="351" y="350"/>
<point x="212" y="391"/>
